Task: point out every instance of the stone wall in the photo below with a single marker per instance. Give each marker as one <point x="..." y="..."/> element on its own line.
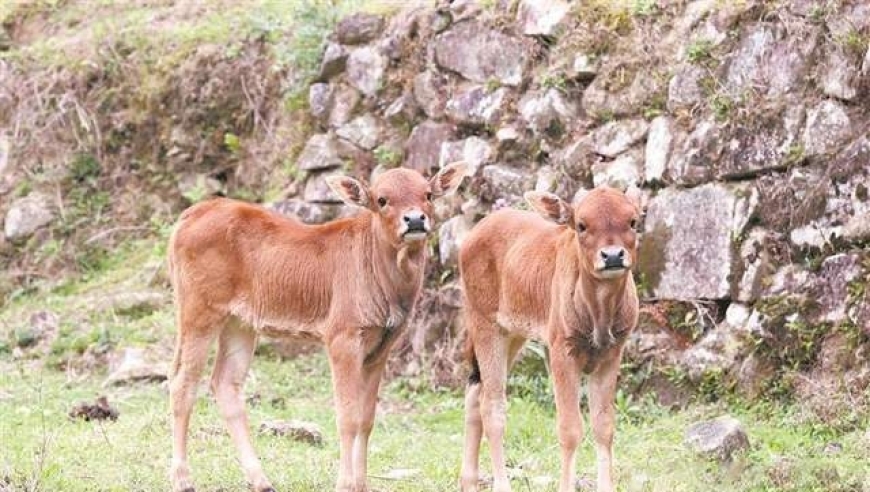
<point x="745" y="124"/>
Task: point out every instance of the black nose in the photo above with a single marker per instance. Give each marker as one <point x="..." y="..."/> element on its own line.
<point x="416" y="221"/>
<point x="613" y="258"/>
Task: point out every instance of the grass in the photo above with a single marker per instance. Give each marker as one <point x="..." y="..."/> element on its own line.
<point x="416" y="429"/>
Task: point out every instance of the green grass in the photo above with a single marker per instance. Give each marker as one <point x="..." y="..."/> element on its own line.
<point x="421" y="429"/>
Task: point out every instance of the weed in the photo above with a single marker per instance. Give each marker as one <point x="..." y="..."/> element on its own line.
<point x="388" y="156"/>
<point x="232" y="142"/>
<point x="554" y="81"/>
<point x="700" y="50"/>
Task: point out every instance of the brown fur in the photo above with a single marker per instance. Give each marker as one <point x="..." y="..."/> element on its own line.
<point x="238" y="269"/>
<point x="526" y="276"/>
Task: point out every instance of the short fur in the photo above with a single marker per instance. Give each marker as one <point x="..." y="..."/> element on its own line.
<point x="238" y="269"/>
<point x="527" y="276"/>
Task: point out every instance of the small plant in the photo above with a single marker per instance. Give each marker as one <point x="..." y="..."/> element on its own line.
<point x="232" y="142"/>
<point x="796" y="154"/>
<point x="699" y="50"/>
<point x="722" y="106"/>
<point x="554" y="81"/>
<point x="388" y="156"/>
<point x="492" y="85"/>
<point x="853" y="41"/>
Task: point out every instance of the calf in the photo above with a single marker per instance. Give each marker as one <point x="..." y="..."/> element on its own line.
<point x="238" y="269"/>
<point x="563" y="278"/>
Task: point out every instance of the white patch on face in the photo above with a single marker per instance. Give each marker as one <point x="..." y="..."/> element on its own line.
<point x="612" y="273"/>
<point x="414" y="236"/>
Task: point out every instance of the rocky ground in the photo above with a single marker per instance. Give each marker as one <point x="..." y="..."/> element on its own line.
<point x="745" y="123"/>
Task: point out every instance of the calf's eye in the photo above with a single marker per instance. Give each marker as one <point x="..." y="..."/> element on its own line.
<point x="581" y="227"/>
<point x="429" y="196"/>
<point x="633" y="224"/>
<point x="382" y="202"/>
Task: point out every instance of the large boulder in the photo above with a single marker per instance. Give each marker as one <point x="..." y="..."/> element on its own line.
<point x="841" y="75"/>
<point x="695" y="156"/>
<point x="345" y="100"/>
<point x="620" y="173"/>
<point x="685" y="88"/>
<point x="771" y="58"/>
<point x="334" y="61"/>
<point x="423" y="148"/>
<point x="481" y="54"/>
<point x="687" y="248"/>
<point x="27" y="215"/>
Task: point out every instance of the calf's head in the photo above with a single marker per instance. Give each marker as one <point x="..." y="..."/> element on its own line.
<point x="401" y="199"/>
<point x="605" y="221"/>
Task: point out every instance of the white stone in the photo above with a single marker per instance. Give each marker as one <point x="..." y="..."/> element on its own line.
<point x="541" y="17"/>
<point x="659" y="143"/>
<point x="27" y="215"/>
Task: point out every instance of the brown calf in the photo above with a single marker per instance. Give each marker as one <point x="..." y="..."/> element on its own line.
<point x="565" y="279"/>
<point x="238" y="269"/>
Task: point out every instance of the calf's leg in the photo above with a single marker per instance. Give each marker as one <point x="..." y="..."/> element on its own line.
<point x="235" y="351"/>
<point x="602" y="392"/>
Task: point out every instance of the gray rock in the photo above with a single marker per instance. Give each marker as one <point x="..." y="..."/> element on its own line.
<point x="429" y="93"/>
<point x="310" y="213"/>
<point x="584" y="67"/>
<point x="475" y="151"/>
<point x="320" y="152"/>
<point x="716" y="352"/>
<point x="359" y="28"/>
<point x="768" y="58"/>
<point x="363" y="131"/>
<point x="365" y="70"/>
<point x="753" y="376"/>
<point x="548" y="113"/>
<point x="684" y="89"/>
<point x="464" y="9"/>
<point x="686" y="251"/>
<point x="602" y="99"/>
<point x="334" y="61"/>
<point x="450" y="237"/>
<point x="478" y="106"/>
<point x="26" y="215"/>
<point x="719" y="438"/>
<point x="320" y="100"/>
<point x="659" y="143"/>
<point x="768" y="145"/>
<point x="135" y="367"/>
<point x="619" y="173"/>
<point x="840" y="76"/>
<point x="501" y="181"/>
<point x="541" y="17"/>
<point x="318" y="191"/>
<point x="403" y="110"/>
<point x="755" y="261"/>
<point x="830" y="290"/>
<point x="616" y="137"/>
<point x="122" y="302"/>
<point x="423" y="148"/>
<point x="695" y="156"/>
<point x="296" y="430"/>
<point x="857" y="229"/>
<point x="828" y="126"/>
<point x="344" y="104"/>
<point x="481" y="54"/>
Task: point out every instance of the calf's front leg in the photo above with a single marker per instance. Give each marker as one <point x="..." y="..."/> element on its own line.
<point x="602" y="393"/>
<point x="346" y="363"/>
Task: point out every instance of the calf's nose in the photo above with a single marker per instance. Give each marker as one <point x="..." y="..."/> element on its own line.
<point x="415" y="220"/>
<point x="613" y="257"/>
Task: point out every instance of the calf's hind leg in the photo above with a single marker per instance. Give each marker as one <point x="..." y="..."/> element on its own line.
<point x="197" y="326"/>
<point x="235" y="352"/>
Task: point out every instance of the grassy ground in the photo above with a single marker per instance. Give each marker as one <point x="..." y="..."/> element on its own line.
<point x="420" y="430"/>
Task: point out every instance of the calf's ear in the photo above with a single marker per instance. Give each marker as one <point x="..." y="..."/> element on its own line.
<point x="550" y="207"/>
<point x="350" y="190"/>
<point x="448" y="178"/>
